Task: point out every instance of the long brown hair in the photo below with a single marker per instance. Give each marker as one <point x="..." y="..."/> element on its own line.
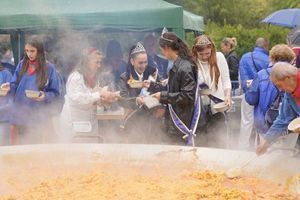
<point x="41" y="69"/>
<point x="171" y="40"/>
<point x="201" y="43"/>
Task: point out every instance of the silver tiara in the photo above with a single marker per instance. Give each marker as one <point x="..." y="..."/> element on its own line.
<point x="139" y="48"/>
<point x="203" y="40"/>
<point x="165" y="30"/>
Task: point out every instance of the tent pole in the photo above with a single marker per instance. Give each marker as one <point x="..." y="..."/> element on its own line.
<point x="19" y="46"/>
<point x="14" y="45"/>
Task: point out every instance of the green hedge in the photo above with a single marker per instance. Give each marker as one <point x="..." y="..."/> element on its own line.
<point x="245" y="36"/>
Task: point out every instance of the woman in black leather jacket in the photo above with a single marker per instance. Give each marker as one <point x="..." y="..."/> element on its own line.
<point x="182" y="84"/>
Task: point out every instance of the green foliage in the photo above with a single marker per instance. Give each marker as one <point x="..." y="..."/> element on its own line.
<point x="249" y="13"/>
<point x="279" y="4"/>
<point x="246" y="37"/>
<point x="240" y="19"/>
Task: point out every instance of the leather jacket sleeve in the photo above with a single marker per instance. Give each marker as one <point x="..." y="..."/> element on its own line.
<point x="233" y="64"/>
<point x="124" y="93"/>
<point x="187" y="89"/>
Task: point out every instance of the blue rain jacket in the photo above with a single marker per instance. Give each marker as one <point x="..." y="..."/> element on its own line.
<point x="26" y="111"/>
<point x="5" y="77"/>
<point x="247" y="69"/>
<point x="289" y="110"/>
<point x="261" y="94"/>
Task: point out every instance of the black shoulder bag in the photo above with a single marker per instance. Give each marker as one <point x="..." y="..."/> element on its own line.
<point x="273" y="111"/>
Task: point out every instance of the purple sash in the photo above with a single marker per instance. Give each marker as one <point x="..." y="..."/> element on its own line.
<point x="189" y="133"/>
<point x="212" y="97"/>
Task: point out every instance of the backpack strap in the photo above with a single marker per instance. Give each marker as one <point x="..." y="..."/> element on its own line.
<point x="256" y="68"/>
<point x="277" y="99"/>
<point x="264" y="79"/>
<point x="268" y="72"/>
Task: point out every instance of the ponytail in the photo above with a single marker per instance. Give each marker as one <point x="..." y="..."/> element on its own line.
<point x="183" y="50"/>
<point x="171" y="40"/>
<point x="232" y="42"/>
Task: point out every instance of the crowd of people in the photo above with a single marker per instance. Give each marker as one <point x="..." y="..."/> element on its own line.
<point x="36" y="99"/>
<point x="266" y="112"/>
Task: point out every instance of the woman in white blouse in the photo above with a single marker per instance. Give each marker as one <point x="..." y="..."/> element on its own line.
<point x="83" y="94"/>
<point x="212" y="70"/>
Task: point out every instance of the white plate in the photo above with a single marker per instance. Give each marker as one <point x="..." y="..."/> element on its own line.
<point x="221" y="107"/>
<point x="82" y="126"/>
<point x="3" y="91"/>
<point x="205" y="91"/>
<point x="294" y="125"/>
<point x="32" y="93"/>
<point x="151" y="102"/>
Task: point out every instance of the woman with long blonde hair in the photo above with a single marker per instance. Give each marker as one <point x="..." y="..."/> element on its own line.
<point x="214" y="72"/>
<point x="83" y="94"/>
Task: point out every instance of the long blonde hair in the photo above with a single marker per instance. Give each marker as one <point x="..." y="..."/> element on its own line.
<point x="201" y="43"/>
<point x="86" y="55"/>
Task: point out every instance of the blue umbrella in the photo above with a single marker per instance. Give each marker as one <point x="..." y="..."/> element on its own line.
<point x="287" y="17"/>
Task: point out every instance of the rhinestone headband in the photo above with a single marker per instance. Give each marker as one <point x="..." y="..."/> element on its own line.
<point x="139" y="48"/>
<point x="165" y="30"/>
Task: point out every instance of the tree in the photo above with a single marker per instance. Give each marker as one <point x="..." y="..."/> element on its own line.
<point x="248" y="13"/>
<point x="274" y="5"/>
<point x="238" y="18"/>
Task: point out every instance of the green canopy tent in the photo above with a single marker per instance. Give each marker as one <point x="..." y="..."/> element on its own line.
<point x="192" y="22"/>
<point x="18" y="17"/>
